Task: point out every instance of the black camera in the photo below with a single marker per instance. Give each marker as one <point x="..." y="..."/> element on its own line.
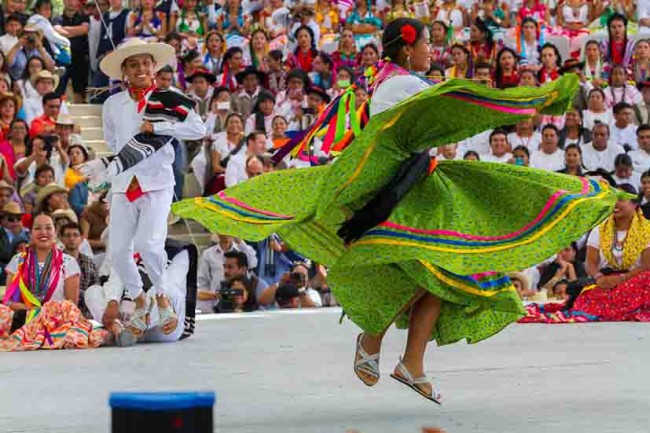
<point x="228" y="294"/>
<point x="31" y="38"/>
<point x="49" y="141"/>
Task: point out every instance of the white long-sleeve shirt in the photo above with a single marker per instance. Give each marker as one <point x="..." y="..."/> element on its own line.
<point x="122" y="121"/>
<point x="44" y="25"/>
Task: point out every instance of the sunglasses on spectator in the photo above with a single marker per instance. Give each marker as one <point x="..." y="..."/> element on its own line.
<point x="13" y="218"/>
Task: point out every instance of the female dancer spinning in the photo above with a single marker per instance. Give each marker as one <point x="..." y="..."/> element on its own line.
<point x="408" y="239"/>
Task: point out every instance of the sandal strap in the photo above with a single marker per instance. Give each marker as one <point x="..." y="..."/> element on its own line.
<point x="364" y="359"/>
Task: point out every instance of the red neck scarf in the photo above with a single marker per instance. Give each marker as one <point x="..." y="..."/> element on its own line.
<point x="305" y="60"/>
<point x="139" y="94"/>
<point x="618" y="52"/>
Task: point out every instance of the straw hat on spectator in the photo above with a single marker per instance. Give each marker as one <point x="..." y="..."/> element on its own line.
<point x="45" y="75"/>
<point x="523" y="279"/>
<point x="111" y="65"/>
<point x="11" y="208"/>
<point x="47" y="191"/>
<point x="5" y="185"/>
<point x="8" y="95"/>
<point x="64" y="120"/>
<point x="65" y="213"/>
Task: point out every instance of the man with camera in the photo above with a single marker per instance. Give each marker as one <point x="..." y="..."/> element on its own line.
<point x="239" y="167"/>
<point x="298" y="278"/>
<point x="30" y="44"/>
<point x="236" y="265"/>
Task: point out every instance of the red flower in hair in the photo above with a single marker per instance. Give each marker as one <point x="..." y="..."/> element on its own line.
<point x="409" y="34"/>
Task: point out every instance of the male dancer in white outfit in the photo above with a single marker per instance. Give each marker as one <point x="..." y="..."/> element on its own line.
<point x="142" y="194"/>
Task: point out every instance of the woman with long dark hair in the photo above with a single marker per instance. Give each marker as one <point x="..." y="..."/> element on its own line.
<point x="463" y="63"/>
<point x="263" y="113"/>
<point x="482" y="45"/>
<point x="233" y="63"/>
<point x="574" y="131"/>
<point x="305" y="53"/>
<point x="551" y="61"/>
<point x="404" y="235"/>
<point x="505" y="73"/>
<point x="617" y="49"/>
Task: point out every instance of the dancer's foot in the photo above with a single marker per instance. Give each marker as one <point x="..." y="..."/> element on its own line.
<point x="366" y="360"/>
<point x="139" y="322"/>
<point x="412" y="375"/>
<point x="167" y="316"/>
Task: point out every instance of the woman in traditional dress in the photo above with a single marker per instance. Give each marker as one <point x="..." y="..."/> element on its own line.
<point x="463" y="63"/>
<point x="305" y="53"/>
<point x="505" y="73"/>
<point x="347" y="52"/>
<point x="39" y="309"/>
<point x="618" y="261"/>
<point x="440" y="49"/>
<point x="214" y="49"/>
<point x="407" y="238"/>
<point x="529" y="46"/>
<point x="257" y="50"/>
<point x="617" y="49"/>
<point x="641" y="61"/>
<point x="594" y="69"/>
<point x="551" y="61"/>
<point x="364" y="23"/>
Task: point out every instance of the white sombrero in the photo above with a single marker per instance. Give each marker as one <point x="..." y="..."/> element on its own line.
<point x="111" y="65"/>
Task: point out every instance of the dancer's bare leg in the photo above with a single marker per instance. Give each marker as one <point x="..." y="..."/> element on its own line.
<point x="372" y="343"/>
<point x="423" y="318"/>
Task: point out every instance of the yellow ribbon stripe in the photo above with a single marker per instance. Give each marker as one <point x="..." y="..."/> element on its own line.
<point x="486" y="249"/>
<point x="465" y="288"/>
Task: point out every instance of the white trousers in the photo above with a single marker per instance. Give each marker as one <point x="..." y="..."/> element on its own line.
<point x="97" y="298"/>
<point x="140" y="226"/>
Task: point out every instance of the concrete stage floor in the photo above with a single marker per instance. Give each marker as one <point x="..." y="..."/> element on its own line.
<point x="279" y="372"/>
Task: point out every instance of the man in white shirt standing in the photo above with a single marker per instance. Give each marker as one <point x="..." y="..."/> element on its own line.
<point x="600" y="153"/>
<point x="142" y="194"/>
<point x="499" y="147"/>
<point x="641" y="156"/>
<point x="623" y="130"/>
<point x="549" y="156"/>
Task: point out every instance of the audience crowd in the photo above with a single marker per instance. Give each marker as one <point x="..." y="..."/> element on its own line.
<point x="261" y="71"/>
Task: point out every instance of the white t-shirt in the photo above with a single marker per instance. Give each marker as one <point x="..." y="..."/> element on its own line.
<point x="70" y="269"/>
<point x="640" y="160"/>
<point x="479" y="143"/>
<point x="589" y="118"/>
<point x="545" y="161"/>
<point x="593" y="159"/>
<point x="531" y="143"/>
<point x="634" y="180"/>
<point x="594" y="241"/>
<point x="503" y="159"/>
<point x="625" y="136"/>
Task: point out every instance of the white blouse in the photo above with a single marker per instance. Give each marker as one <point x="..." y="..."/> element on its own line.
<point x="70" y="269"/>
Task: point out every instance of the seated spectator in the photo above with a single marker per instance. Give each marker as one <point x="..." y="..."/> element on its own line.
<point x="236" y="264"/>
<point x="189" y="63"/>
<point x="276" y="75"/>
<point x="14" y="145"/>
<point x="521" y="283"/>
<point x="70" y="235"/>
<point x="600" y="153"/>
<point x="520" y="156"/>
<point x="594" y="69"/>
<point x="641" y="156"/>
<point x="499" y="147"/>
<point x="263" y="114"/>
<point x="46" y="123"/>
<point x="202" y="82"/>
<point x="225" y="146"/>
<point x="620" y="90"/>
<point x="363" y="22"/>
<point x="299" y="279"/>
<point x="50" y="198"/>
<point x="64" y="128"/>
<point x="30" y="44"/>
<point x="528" y="78"/>
<point x="573" y="17"/>
<point x="449" y="152"/>
<point x="232" y="65"/>
<point x="564" y="269"/>
<point x="45" y="83"/>
<point x="289" y="102"/>
<point x="624" y="130"/>
<point x="462" y="62"/>
<point x="93" y="223"/>
<point x="368" y="56"/>
<point x="279" y="135"/>
<point x="236" y="170"/>
<point x="258" y="49"/>
<point x="211" y="269"/>
<point x="624" y="173"/>
<point x="346" y="54"/>
<point x="43" y="176"/>
<point x="165" y="78"/>
<point x="483" y="73"/>
<point x="572" y="160"/>
<point x="617" y="49"/>
<point x="642" y="111"/>
<point x="233" y="20"/>
<point x="573" y="132"/>
<point x="243" y="101"/>
<point x="323" y="74"/>
<point x="12" y="233"/>
<point x="42" y="154"/>
<point x="525" y="135"/>
<point x="215" y="47"/>
<point x="482" y="46"/>
<point x="452" y="14"/>
<point x="528" y="37"/>
<point x="551" y="61"/>
<point x="549" y="156"/>
<point x="41" y="20"/>
<point x="146" y="22"/>
<point x="317" y="100"/>
<point x="505" y="73"/>
<point x="75" y="181"/>
<point x="641" y="61"/>
<point x="215" y="120"/>
<point x="13" y="26"/>
<point x="24" y="84"/>
<point x="9" y="106"/>
<point x="305" y="53"/>
<point x="596" y="110"/>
